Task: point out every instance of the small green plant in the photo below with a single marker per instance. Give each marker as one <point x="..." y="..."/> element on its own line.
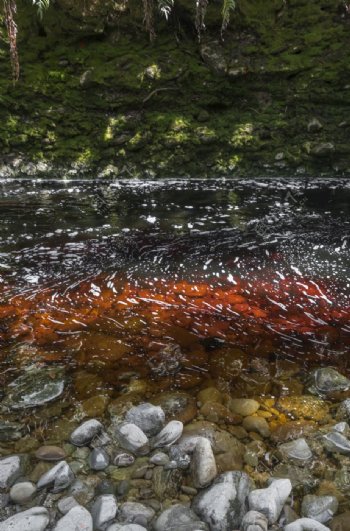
<point x="149" y="9"/>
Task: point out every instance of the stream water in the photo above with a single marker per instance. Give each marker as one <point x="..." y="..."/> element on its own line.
<point x="227" y="303"/>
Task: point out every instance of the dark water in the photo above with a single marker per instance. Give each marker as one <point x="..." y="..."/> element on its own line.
<point x="261" y="265"/>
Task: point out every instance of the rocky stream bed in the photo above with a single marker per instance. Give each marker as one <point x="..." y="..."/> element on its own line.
<point x="167" y="461"/>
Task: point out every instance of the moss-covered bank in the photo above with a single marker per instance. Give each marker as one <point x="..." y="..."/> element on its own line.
<point x="96" y="96"/>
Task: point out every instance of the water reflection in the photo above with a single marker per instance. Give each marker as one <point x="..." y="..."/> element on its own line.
<point x="113" y="274"/>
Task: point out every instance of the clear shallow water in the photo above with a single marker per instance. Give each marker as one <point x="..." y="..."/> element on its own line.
<point x="107" y="274"/>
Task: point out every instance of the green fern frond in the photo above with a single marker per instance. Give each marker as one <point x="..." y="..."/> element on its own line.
<point x="42" y="5"/>
<point x="165" y="7"/>
<point x="227" y="7"/>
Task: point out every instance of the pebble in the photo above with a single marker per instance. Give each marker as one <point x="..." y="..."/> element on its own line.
<point x="178" y="517"/>
<point x="297" y="450"/>
<point x="77" y="518"/>
<point x="35" y="388"/>
<point x="210" y="394"/>
<point x="149" y="418"/>
<point x="203" y="465"/>
<point x="270" y="501"/>
<point x="124" y="460"/>
<point x="178" y="457"/>
<point x="131" y="511"/>
<point x="10" y="431"/>
<point x="336" y="442"/>
<point x="343" y="412"/>
<point x="342" y="427"/>
<point x="131" y="438"/>
<point x="98" y="459"/>
<point x="327" y="380"/>
<point x="67" y="503"/>
<point x="127" y="527"/>
<point x="223" y="504"/>
<point x="169" y="435"/>
<point x="243" y="406"/>
<point x="104" y="511"/>
<point x="341" y="522"/>
<point x="50" y="453"/>
<point x="256" y="424"/>
<point x="159" y="458"/>
<point x="34" y="519"/>
<point x="61" y="476"/>
<point x="320" y="508"/>
<point x="23" y="492"/>
<point x="254" y="521"/>
<point x="306" y="524"/>
<point x="10" y="470"/>
<point x="86" y="432"/>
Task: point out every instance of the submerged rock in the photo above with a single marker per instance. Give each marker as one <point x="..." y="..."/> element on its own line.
<point x="320" y="508"/>
<point x="77" y="518"/>
<point x="254" y="521"/>
<point x="150" y="419"/>
<point x="130" y="511"/>
<point x="35" y="388"/>
<point x="23" y="492"/>
<point x="35" y="519"/>
<point x="133" y="439"/>
<point x="203" y="465"/>
<point x="270" y="501"/>
<point x="328" y="380"/>
<point x="336" y="442"/>
<point x="104" y="511"/>
<point x="98" y="459"/>
<point x="223" y="504"/>
<point x="306" y="524"/>
<point x="10" y="470"/>
<point x="60" y="476"/>
<point x="84" y="434"/>
<point x="243" y="406"/>
<point x="10" y="431"/>
<point x="179" y="517"/>
<point x="298" y="451"/>
<point x="169" y="435"/>
<point x="50" y="453"/>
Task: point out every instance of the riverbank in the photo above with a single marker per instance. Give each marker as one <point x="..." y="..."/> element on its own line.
<point x="97" y="98"/>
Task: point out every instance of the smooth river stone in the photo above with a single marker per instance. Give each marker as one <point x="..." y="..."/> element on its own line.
<point x="149" y="418"/>
<point x="98" y="459"/>
<point x="50" y="453"/>
<point x="328" y="380"/>
<point x="254" y="521"/>
<point x="256" y="424"/>
<point x="123" y="460"/>
<point x="320" y="508"/>
<point x="10" y="431"/>
<point x="203" y="465"/>
<point x="23" y="492"/>
<point x="243" y="406"/>
<point x="169" y="435"/>
<point x="306" y="524"/>
<point x="336" y="442"/>
<point x="77" y="519"/>
<point x="297" y="450"/>
<point x="178" y="517"/>
<point x="104" y="511"/>
<point x="84" y="434"/>
<point x="35" y="388"/>
<point x="223" y="504"/>
<point x="60" y="476"/>
<point x="10" y="470"/>
<point x="35" y="519"/>
<point x="270" y="501"/>
<point x="133" y="439"/>
<point x="129" y="511"/>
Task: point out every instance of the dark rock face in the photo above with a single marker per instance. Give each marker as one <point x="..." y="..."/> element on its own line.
<point x="260" y="90"/>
